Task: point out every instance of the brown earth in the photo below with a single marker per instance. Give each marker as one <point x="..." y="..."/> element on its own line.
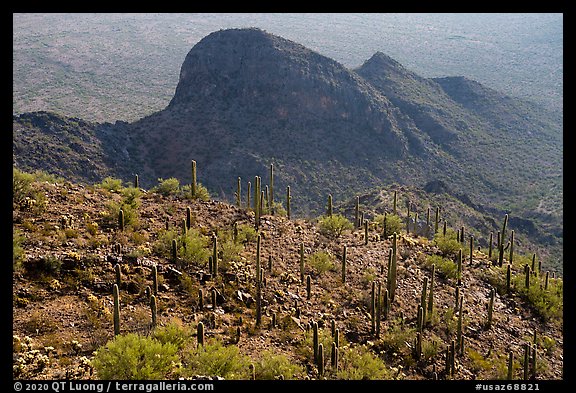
<point x="70" y="310"/>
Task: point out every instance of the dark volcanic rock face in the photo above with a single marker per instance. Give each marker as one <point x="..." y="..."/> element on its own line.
<point x="247" y="98"/>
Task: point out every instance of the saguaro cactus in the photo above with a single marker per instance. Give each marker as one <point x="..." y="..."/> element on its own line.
<point x="503" y="234"/>
<point x="329" y="210"/>
<point x="116" y="295"/>
<point x="257" y="192"/>
<point x="511" y="259"/>
<point x="302" y="262"/>
<point x="118" y="274"/>
<point x="459" y="267"/>
<point x="214" y="256"/>
<point x="490" y="309"/>
<point x="271" y="196"/>
<point x="526" y="360"/>
<point x="239" y="192"/>
<point x="320" y="359"/>
<point x="437" y="219"/>
<point x="248" y="205"/>
<point x="373" y="308"/>
<point x="423" y="298"/>
<point x="288" y="198"/>
<point x="508" y="278"/>
<point x="200" y="333"/>
<point x="378" y="308"/>
<point x="344" y="251"/>
<point x="490" y="246"/>
<point x="121" y="220"/>
<point x="188" y="217"/>
<point x="315" y="339"/>
<point x="308" y="287"/>
<point x="258" y="284"/>
<point x="334" y="357"/>
<point x="392" y="270"/>
<point x="527" y="273"/>
<point x="471" y="249"/>
<point x="194" y="180"/>
<point x="394" y="203"/>
<point x="174" y="251"/>
<point x="153" y="310"/>
<point x="510" y="366"/>
<point x="431" y="295"/>
<point x="136" y="182"/>
<point x="366" y="232"/>
<point x="357" y="212"/>
<point x="155" y="279"/>
<point x="201" y="299"/>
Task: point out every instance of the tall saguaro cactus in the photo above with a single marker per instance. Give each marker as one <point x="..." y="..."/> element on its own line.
<point x="503" y="234"/>
<point x="344" y="252"/>
<point x="395" y="202"/>
<point x="329" y="210"/>
<point x="271" y="196"/>
<point x="302" y="262"/>
<point x="116" y="295"/>
<point x="188" y="217"/>
<point x="258" y="284"/>
<point x="155" y="279"/>
<point x="288" y="198"/>
<point x="357" y="212"/>
<point x="257" y="192"/>
<point x="239" y="192"/>
<point x="200" y="333"/>
<point x="121" y="219"/>
<point x="511" y="259"/>
<point x="214" y="256"/>
<point x="194" y="179"/>
<point x="490" y="309"/>
<point x="392" y="271"/>
<point x="153" y="310"/>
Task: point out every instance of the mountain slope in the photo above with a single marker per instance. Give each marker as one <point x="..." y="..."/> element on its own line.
<point x="247" y="98"/>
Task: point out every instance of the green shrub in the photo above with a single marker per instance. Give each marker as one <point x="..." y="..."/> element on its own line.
<point x="444" y="266"/>
<point x="111" y="184"/>
<point x="393" y="223"/>
<point x="167" y="187"/>
<point x="321" y="262"/>
<point x="202" y="192"/>
<point x="333" y="226"/>
<point x="358" y="362"/>
<point x="246" y="234"/>
<point x="548" y="304"/>
<point x="397" y="338"/>
<point x="132" y="356"/>
<point x="448" y="245"/>
<point x="21" y="186"/>
<point x="271" y="366"/>
<point x="17" y="250"/>
<point x="215" y="359"/>
<point x="194" y="248"/>
<point x="173" y="333"/>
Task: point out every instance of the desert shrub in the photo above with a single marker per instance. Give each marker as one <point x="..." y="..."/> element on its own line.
<point x="132" y="356"/>
<point x="17" y="250"/>
<point x="333" y="226"/>
<point x="202" y="192"/>
<point x="447" y="244"/>
<point x="321" y="262"/>
<point x="271" y="365"/>
<point x="444" y="266"/>
<point x="167" y="187"/>
<point x="215" y="359"/>
<point x="358" y="362"/>
<point x="21" y="185"/>
<point x="397" y="338"/>
<point x="548" y="304"/>
<point x="173" y="333"/>
<point x="246" y="234"/>
<point x="393" y="223"/>
<point x="111" y="184"/>
<point x="194" y="248"/>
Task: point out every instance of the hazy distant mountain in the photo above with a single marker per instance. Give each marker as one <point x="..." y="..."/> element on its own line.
<point x="246" y="98"/>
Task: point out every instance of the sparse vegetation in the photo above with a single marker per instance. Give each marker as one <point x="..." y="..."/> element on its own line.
<point x="155" y="301"/>
<point x="334" y="225"/>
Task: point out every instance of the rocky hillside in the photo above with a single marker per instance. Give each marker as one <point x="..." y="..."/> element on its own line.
<point x="247" y="98"/>
<point x="70" y="250"/>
